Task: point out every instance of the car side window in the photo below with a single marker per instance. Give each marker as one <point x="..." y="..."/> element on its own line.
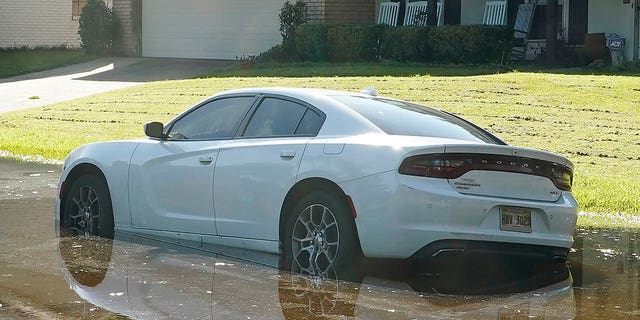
<point x="217" y="119"/>
<point x="276" y="117"/>
<point x="310" y="124"/>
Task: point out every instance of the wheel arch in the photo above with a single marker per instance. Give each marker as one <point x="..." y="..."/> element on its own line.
<point x="305" y="186"/>
<point x="75" y="173"/>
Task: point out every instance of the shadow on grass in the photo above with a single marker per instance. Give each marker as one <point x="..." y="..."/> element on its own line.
<point x="394" y="69"/>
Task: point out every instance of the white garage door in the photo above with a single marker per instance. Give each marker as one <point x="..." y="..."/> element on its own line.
<point x="210" y="29"/>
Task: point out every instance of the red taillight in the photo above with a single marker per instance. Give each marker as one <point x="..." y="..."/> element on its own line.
<point x="454" y="165"/>
<point x="431" y="165"/>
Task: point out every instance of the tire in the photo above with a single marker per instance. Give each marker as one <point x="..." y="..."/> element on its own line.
<point x="320" y="237"/>
<point x="87" y="208"/>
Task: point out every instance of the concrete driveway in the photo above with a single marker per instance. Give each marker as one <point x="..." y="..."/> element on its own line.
<point x="101" y="75"/>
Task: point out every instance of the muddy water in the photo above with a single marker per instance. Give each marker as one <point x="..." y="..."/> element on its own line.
<point x="44" y="277"/>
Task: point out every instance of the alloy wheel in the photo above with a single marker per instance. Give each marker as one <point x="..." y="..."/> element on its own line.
<point x="84" y="214"/>
<point x="315" y="242"/>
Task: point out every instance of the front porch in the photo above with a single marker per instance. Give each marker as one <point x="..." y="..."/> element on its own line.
<point x="574" y="20"/>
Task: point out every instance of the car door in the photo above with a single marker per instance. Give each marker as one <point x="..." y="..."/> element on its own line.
<point x="255" y="171"/>
<point x="171" y="180"/>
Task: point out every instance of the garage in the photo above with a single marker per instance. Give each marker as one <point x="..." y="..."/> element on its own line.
<point x="209" y="29"/>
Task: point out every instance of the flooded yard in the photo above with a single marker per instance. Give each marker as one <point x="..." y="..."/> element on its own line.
<point x="46" y="277"/>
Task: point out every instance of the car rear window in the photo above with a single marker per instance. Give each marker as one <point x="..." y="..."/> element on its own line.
<point x="403" y="118"/>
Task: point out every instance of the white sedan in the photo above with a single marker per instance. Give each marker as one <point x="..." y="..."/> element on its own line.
<point x="323" y="177"/>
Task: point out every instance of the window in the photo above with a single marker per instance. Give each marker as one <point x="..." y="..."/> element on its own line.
<point x="402" y="118"/>
<point x="76" y="8"/>
<point x="277" y="117"/>
<point x="217" y="119"/>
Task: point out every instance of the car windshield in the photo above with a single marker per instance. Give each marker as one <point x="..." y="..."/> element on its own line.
<point x="396" y="117"/>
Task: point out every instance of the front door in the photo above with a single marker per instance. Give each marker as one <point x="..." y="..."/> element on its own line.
<point x="171" y="180"/>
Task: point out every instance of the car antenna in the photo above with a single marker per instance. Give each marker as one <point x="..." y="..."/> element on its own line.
<point x="370" y="91"/>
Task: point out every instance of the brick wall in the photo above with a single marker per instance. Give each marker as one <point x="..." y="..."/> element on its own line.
<point x="350" y="11"/>
<point x="130" y="14"/>
<point x="315" y="10"/>
<point x="341" y="11"/>
<point x="37" y="23"/>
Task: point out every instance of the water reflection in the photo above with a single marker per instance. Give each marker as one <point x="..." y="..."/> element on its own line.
<point x="149" y="279"/>
<point x="606" y="268"/>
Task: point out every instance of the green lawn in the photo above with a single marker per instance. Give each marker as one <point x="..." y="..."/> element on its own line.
<point x="592" y="119"/>
<point x="20" y="61"/>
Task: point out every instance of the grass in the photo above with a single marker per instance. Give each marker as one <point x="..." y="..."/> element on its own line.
<point x="24" y="60"/>
<point x="592" y="119"/>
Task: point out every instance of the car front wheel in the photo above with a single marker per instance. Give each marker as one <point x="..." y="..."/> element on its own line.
<point x="320" y="237"/>
<point x="87" y="208"/>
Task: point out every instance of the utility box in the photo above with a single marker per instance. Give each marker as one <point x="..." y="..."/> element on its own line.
<point x="615" y="43"/>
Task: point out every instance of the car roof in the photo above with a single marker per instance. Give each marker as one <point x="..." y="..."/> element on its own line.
<point x="341" y="120"/>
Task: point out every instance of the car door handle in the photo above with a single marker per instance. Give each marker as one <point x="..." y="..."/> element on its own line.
<point x="205" y="159"/>
<point x="287" y="154"/>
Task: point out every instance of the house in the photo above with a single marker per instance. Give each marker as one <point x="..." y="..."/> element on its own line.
<point x="223" y="29"/>
<point x="576" y="18"/>
<point x="34" y="23"/>
<point x="219" y="29"/>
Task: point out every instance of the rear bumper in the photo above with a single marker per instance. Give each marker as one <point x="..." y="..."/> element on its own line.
<point x="398" y="215"/>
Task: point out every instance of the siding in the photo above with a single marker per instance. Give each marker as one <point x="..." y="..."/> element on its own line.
<point x="37" y="23"/>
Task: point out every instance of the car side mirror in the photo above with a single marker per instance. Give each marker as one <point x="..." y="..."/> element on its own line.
<point x="154" y="130"/>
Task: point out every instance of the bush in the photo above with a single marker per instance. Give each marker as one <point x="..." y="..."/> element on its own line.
<point x="406" y="43"/>
<point x="352" y="42"/>
<point x="311" y="42"/>
<point x="99" y="27"/>
<point x="291" y="16"/>
<point x="469" y="43"/>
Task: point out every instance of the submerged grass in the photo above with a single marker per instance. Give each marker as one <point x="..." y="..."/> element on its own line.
<point x="594" y="120"/>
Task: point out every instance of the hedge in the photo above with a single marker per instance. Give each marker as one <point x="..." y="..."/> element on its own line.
<point x="445" y="44"/>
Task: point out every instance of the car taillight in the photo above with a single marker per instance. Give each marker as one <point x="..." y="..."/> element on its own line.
<point x="454" y="165"/>
<point x="431" y="165"/>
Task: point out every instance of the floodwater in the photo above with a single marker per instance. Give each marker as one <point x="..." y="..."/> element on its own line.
<point x="44" y="277"/>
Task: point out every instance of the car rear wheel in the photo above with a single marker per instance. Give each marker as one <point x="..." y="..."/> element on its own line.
<point x="320" y="238"/>
<point x="87" y="208"/>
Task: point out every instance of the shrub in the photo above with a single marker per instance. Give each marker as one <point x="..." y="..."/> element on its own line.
<point x="99" y="27"/>
<point x="291" y="16"/>
<point x="406" y="43"/>
<point x="311" y="42"/>
<point x="352" y="42"/>
<point x="469" y="43"/>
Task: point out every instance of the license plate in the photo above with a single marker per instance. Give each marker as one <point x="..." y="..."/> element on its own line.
<point x="515" y="219"/>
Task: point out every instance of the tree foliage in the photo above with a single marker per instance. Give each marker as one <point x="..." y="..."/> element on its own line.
<point x="99" y="27"/>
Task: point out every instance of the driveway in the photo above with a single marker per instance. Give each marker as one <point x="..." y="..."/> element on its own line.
<point x="101" y="75"/>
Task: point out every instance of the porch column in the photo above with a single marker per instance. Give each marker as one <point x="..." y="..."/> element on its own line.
<point x="129" y="12"/>
<point x="636" y="30"/>
<point x="552" y="33"/>
<point x="432" y="11"/>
